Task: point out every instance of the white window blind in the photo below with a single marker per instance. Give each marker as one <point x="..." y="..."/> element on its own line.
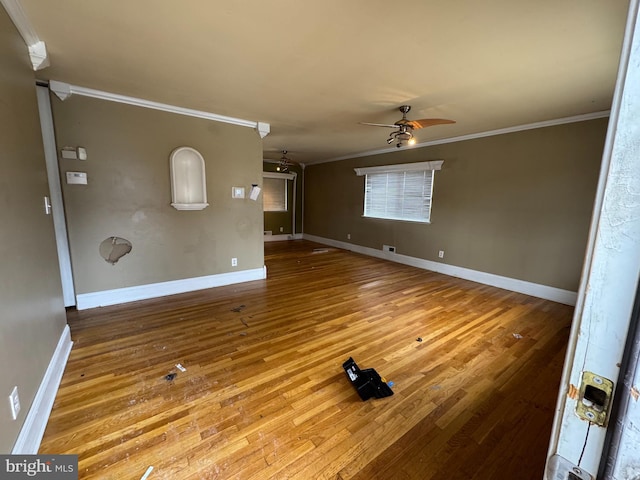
<point x="274" y="194"/>
<point x="399" y="192"/>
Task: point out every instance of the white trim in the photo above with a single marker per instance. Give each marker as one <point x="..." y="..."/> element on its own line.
<point x="401" y="167"/>
<point x="65" y="90"/>
<point x="471" y="136"/>
<point x="20" y="20"/>
<point x="528" y="288"/>
<point x="30" y="435"/>
<point x="37" y="48"/>
<point x="154" y="290"/>
<point x="263" y="129"/>
<point x="38" y="55"/>
<point x="288" y="176"/>
<point x="55" y="190"/>
<point x="280" y="238"/>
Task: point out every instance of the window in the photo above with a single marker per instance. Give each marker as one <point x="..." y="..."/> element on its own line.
<point x="275" y="191"/>
<point x="399" y="192"/>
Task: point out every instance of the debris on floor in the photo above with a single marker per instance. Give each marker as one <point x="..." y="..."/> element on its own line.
<point x="517" y="335"/>
<point x="147" y="473"/>
<point x="419" y="339"/>
<point x="367" y="382"/>
<point x="244" y="322"/>
<point x="320" y="250"/>
<point x="238" y="309"/>
<point x="170" y="377"/>
<point x="180" y="367"/>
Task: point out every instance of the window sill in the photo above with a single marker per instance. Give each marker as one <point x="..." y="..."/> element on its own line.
<point x="418" y="222"/>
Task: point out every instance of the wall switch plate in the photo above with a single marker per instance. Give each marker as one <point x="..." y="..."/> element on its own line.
<point x="237" y="192"/>
<point x="78" y="178"/>
<point x="234" y="262"/>
<point x="14" y="402"/>
<point x="440" y="253"/>
<point x="69" y="153"/>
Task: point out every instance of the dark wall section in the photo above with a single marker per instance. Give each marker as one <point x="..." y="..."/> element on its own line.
<point x="516" y="205"/>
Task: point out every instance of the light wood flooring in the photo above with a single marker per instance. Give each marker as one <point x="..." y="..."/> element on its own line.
<point x="264" y="395"/>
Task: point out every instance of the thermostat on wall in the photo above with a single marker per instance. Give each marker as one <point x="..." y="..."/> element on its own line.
<point x="79" y="178"/>
<point x="237" y="192"/>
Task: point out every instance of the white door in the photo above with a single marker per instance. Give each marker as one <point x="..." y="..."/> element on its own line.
<point x="608" y="287"/>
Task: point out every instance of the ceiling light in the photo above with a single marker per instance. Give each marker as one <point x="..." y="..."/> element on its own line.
<point x="284" y="164"/>
<point x="401" y="137"/>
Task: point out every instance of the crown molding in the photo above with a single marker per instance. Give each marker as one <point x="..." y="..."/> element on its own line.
<point x="489" y="133"/>
<point x="401" y="167"/>
<point x="65" y="90"/>
<point x="37" y="48"/>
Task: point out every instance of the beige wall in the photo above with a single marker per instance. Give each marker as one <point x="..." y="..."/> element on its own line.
<point x="274" y="220"/>
<point x="128" y="194"/>
<point x="516" y="205"/>
<point x="33" y="315"/>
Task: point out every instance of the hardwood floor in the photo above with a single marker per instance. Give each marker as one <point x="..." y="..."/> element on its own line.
<point x="264" y="395"/>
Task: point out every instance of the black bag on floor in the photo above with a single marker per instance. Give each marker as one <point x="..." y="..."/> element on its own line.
<point x="367" y="382"/>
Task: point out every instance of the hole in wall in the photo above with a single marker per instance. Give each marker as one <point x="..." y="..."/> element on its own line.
<point x="113" y="249"/>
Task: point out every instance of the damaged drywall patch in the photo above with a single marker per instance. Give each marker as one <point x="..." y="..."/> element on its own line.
<point x="113" y="249"/>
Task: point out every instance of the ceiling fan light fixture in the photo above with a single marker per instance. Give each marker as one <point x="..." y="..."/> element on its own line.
<point x="402" y="137"/>
<point x="404" y="133"/>
<point x="285" y="163"/>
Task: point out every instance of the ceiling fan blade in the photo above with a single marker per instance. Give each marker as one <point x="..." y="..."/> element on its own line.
<point x="379" y="124"/>
<point x="429" y="122"/>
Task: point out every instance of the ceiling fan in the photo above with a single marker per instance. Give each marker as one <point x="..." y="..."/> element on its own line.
<point x="284" y="164"/>
<point x="404" y="133"/>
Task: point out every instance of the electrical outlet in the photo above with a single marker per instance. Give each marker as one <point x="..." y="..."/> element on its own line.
<point x="282" y="229"/>
<point x="234" y="262"/>
<point x="348" y="236"/>
<point x="441" y="254"/>
<point x="14" y="401"/>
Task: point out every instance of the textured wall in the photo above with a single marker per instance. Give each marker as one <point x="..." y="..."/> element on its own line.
<point x="128" y="195"/>
<point x="33" y="315"/>
<point x="516" y="205"/>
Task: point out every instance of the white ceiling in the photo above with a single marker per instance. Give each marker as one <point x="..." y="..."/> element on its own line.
<point x="313" y="70"/>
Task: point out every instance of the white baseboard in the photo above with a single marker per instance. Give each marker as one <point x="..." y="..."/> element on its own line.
<point x="554" y="294"/>
<point x="30" y="436"/>
<point x="154" y="290"/>
<point x="280" y="238"/>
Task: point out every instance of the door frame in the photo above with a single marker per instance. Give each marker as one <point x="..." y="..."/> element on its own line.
<point x="610" y="274"/>
<point x="55" y="191"/>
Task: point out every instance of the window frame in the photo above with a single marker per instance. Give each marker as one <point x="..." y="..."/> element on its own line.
<point x="403" y="169"/>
